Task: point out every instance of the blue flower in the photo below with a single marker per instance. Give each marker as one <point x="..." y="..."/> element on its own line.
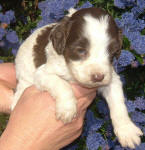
<point x="119" y="4"/>
<point x="91" y="119"/>
<point x="140" y="147"/>
<point x="67" y="4"/>
<point x="125" y="58"/>
<point x="94" y="140"/>
<point x="118" y="147"/>
<point x="140" y="103"/>
<point x="139" y="44"/>
<point x="130" y="106"/>
<point x="141" y="3"/>
<point x="8" y="17"/>
<point x="92" y="123"/>
<point x="138" y="117"/>
<point x="102" y="107"/>
<point x="14" y="51"/>
<point x="53" y="10"/>
<point x="4" y="18"/>
<point x="10" y="14"/>
<point x="86" y="5"/>
<point x="2" y="33"/>
<point x="123" y="3"/>
<point x="137" y="11"/>
<point x="135" y="64"/>
<point x="1" y="61"/>
<point x="12" y="37"/>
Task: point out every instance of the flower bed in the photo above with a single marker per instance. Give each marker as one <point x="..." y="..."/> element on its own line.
<point x="130" y="17"/>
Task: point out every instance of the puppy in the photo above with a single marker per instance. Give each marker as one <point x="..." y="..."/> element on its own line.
<point x="80" y="49"/>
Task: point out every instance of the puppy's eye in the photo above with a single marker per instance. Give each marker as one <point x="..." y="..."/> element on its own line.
<point x="81" y="51"/>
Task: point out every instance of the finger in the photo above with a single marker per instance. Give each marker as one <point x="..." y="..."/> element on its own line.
<point x="82" y="91"/>
<point x="84" y="102"/>
<point x="5" y="97"/>
<point x="8" y="74"/>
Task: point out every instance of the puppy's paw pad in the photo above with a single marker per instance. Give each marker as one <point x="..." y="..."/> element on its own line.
<point x="66" y="111"/>
<point x="128" y="135"/>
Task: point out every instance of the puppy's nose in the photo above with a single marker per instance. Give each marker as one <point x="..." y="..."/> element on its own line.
<point x="97" y="77"/>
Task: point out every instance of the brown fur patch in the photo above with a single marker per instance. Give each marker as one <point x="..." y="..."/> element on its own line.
<point x="77" y="46"/>
<point x="76" y="39"/>
<point x="39" y="49"/>
<point x="60" y="34"/>
<point x="116" y="34"/>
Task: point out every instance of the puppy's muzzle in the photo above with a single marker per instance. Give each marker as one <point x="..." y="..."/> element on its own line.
<point x="97" y="77"/>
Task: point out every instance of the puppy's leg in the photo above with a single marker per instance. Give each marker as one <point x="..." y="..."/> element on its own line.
<point x="21" y="86"/>
<point x="126" y="131"/>
<point x="60" y="90"/>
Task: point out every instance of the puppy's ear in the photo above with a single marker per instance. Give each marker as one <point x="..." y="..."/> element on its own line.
<point x="59" y="34"/>
<point x="120" y="38"/>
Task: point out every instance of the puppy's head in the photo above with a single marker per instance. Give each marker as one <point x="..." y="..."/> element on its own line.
<point x="89" y="39"/>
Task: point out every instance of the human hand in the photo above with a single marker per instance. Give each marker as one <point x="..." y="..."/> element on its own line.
<point x="7" y="84"/>
<point x="32" y="124"/>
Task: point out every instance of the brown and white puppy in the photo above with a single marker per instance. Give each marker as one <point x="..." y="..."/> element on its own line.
<point x="80" y="48"/>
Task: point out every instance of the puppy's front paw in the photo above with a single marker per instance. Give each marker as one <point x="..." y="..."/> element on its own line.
<point x="66" y="110"/>
<point x="128" y="135"/>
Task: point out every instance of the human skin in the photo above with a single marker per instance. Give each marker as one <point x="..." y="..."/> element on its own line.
<point x="32" y="124"/>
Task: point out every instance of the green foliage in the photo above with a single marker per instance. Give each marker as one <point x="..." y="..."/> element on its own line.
<point x="3" y="122"/>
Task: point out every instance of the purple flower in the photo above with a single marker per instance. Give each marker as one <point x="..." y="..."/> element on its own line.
<point x="102" y="107"/>
<point x="97" y="125"/>
<point x="10" y="14"/>
<point x="92" y="123"/>
<point x="138" y="117"/>
<point x="94" y="140"/>
<point x="119" y="4"/>
<point x="139" y="44"/>
<point x="53" y="10"/>
<point x="137" y="11"/>
<point x="1" y="61"/>
<point x="2" y="33"/>
<point x="140" y="103"/>
<point x="123" y="3"/>
<point x="4" y="18"/>
<point x="2" y="43"/>
<point x="140" y="147"/>
<point x="67" y="4"/>
<point x="122" y="78"/>
<point x="118" y="147"/>
<point x="12" y="37"/>
<point x="143" y="130"/>
<point x="125" y="58"/>
<point x="135" y="64"/>
<point x="109" y="145"/>
<point x="86" y="5"/>
<point x="141" y="3"/>
<point x="130" y="106"/>
<point x="14" y="51"/>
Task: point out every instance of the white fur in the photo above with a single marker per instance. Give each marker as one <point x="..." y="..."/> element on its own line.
<point x="126" y="131"/>
<point x="71" y="11"/>
<point x="96" y="32"/>
<point x="54" y="75"/>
